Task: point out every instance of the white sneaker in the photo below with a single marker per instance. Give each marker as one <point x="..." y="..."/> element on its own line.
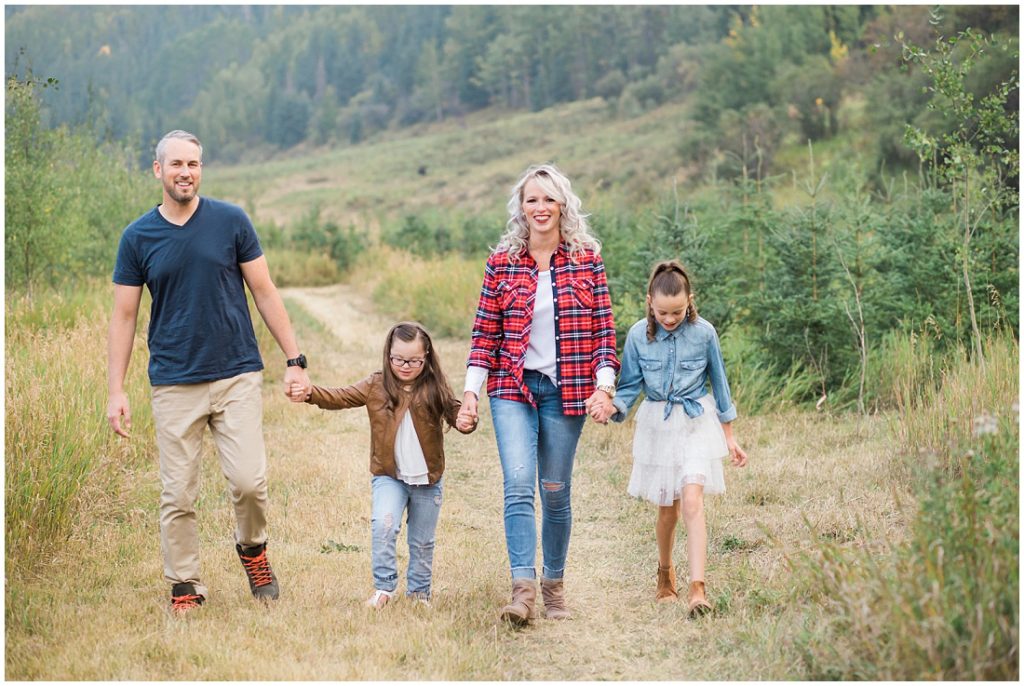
<point x="379" y="599"/>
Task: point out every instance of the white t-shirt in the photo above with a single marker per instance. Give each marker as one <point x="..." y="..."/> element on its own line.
<point x="542" y="353"/>
<point x="409" y="460"/>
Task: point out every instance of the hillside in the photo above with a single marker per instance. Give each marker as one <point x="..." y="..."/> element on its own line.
<point x="463" y="167"/>
<point x="467" y="167"/>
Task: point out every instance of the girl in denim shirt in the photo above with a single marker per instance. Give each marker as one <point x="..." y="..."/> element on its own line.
<point x="682" y="433"/>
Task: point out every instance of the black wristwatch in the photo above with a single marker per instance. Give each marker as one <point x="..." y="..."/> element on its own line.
<point x="299" y="361"/>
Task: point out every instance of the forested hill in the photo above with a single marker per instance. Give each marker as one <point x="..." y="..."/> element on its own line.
<point x="265" y="78"/>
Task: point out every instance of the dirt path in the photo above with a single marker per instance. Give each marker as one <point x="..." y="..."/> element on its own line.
<point x="346" y="314"/>
<point x="606" y="588"/>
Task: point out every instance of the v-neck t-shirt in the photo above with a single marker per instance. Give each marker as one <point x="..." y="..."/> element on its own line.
<point x="200" y="328"/>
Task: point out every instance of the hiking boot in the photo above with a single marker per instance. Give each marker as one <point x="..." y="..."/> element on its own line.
<point x="184" y="598"/>
<point x="699" y="605"/>
<point x="524" y="595"/>
<point x="553" y="591"/>
<point x="666" y="592"/>
<point x="262" y="581"/>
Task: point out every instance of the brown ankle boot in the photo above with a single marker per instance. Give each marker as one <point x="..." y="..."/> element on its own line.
<point x="554" y="599"/>
<point x="666" y="585"/>
<point x="524" y="596"/>
<point x="699" y="605"/>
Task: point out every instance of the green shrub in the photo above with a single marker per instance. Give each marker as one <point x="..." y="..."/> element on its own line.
<point x="430" y="234"/>
<point x="343" y="246"/>
<point x="757" y="385"/>
<point x="67" y="198"/>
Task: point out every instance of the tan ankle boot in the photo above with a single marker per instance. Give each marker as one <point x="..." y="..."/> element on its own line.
<point x="524" y="596"/>
<point x="699" y="604"/>
<point x="666" y="585"/>
<point x="554" y="599"/>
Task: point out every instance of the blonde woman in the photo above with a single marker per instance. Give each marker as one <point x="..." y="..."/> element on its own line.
<point x="544" y="340"/>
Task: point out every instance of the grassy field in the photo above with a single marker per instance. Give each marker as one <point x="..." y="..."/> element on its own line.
<point x="94" y="606"/>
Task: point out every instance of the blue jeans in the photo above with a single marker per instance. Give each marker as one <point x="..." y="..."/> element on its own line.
<point x="390" y="499"/>
<point x="537" y="445"/>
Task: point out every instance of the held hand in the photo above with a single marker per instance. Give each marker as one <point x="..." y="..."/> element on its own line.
<point x="296" y="393"/>
<point x="465" y="423"/>
<point x="296" y="376"/>
<point x="117" y="407"/>
<point x="604" y="412"/>
<point x="599" y="406"/>
<point x="468" y="415"/>
<point x="739" y="456"/>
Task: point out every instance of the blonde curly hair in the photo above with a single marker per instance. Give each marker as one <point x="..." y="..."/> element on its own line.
<point x="573" y="226"/>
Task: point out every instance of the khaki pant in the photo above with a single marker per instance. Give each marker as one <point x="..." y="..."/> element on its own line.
<point x="233" y="409"/>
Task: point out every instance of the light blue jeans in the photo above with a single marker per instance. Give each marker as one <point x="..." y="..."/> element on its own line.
<point x="537" y="445"/>
<point x="391" y="497"/>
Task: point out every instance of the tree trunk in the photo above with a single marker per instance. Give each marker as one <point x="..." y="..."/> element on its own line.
<point x="964" y="264"/>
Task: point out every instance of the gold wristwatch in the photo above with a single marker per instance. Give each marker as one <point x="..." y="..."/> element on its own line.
<point x="610" y="390"/>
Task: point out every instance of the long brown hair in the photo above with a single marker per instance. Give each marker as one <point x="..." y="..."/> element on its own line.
<point x="668" y="278"/>
<point x="431" y="386"/>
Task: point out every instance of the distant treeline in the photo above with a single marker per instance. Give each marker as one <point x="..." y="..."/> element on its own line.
<point x="265" y="78"/>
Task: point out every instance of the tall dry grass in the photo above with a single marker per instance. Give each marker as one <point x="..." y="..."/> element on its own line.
<point x="441" y="293"/>
<point x="290" y="267"/>
<point x="946" y="604"/>
<point x="58" y="447"/>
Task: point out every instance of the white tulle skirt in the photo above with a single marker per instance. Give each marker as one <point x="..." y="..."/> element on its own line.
<point x="670" y="453"/>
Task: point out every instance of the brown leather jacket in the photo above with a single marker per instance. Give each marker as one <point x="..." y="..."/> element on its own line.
<point x="384" y="423"/>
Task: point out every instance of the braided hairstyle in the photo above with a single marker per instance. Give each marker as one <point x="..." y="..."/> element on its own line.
<point x="668" y="278"/>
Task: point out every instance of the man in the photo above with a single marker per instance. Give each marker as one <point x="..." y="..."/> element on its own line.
<point x="194" y="253"/>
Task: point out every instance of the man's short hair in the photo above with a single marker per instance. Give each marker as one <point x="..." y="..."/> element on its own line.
<point x="161" y="147"/>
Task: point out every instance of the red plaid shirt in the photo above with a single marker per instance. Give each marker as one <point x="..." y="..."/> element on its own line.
<point x="584" y="329"/>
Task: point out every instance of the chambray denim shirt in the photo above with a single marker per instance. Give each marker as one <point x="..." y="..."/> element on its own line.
<point x="674" y="367"/>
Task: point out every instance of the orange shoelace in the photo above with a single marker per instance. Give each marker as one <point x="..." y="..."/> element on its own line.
<point x="258" y="569"/>
<point x="181" y="603"/>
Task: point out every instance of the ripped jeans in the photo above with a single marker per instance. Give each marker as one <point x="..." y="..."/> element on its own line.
<point x="391" y="497"/>
<point x="537" y="445"/>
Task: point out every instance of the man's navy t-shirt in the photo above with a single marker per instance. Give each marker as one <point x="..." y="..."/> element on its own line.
<point x="199" y="328"/>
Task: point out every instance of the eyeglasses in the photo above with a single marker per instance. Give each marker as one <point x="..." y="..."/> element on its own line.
<point x="402" y="362"/>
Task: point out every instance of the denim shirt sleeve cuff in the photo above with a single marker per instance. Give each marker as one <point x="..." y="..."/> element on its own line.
<point x="620" y="410"/>
<point x="728" y="415"/>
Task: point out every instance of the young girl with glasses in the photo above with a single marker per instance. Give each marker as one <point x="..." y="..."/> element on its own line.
<point x="682" y="433"/>
<point x="408" y="402"/>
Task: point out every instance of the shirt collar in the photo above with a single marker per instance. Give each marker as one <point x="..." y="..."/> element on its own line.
<point x="661" y="334"/>
<point x="562" y="250"/>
